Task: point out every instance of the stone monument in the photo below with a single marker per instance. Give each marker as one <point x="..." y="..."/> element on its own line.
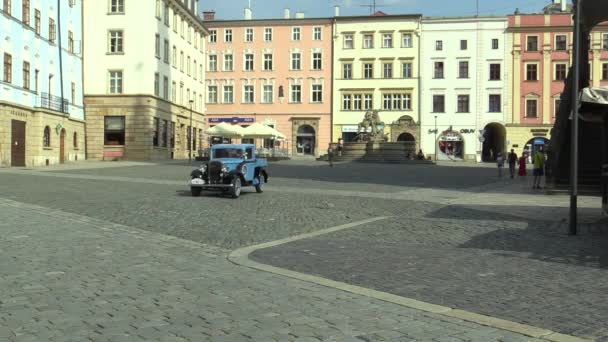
<point x="371" y="129"/>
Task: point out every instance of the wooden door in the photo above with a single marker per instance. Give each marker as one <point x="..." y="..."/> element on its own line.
<point x="18" y="143"/>
<point x="62" y="147"/>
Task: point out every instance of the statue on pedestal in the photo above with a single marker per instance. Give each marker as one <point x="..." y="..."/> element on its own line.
<point x="371" y="129"/>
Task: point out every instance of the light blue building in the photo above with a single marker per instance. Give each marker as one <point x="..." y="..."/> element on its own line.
<point x="41" y="83"/>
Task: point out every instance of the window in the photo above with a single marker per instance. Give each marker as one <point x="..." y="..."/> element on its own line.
<point x="495" y="44"/>
<point x="317" y="93"/>
<point x="116" y="41"/>
<point x="26" y="76"/>
<point x="407" y="101"/>
<point x="72" y="92"/>
<point x="228" y="94"/>
<point x="406" y="70"/>
<point x="368" y="41"/>
<point x="357" y="102"/>
<point x="157" y="46"/>
<point x="463" y="69"/>
<point x="463" y="104"/>
<point x="249" y="35"/>
<point x="249" y="62"/>
<point x="387" y="40"/>
<point x="387" y="70"/>
<point x="8" y="68"/>
<point x="115" y="82"/>
<point x="175" y="21"/>
<point x="7" y="7"/>
<point x="25" y="12"/>
<point x="188" y="66"/>
<point x="212" y="63"/>
<point x="296" y="61"/>
<point x="248" y="95"/>
<point x="560" y="71"/>
<point x="166" y="14"/>
<point x="387" y="102"/>
<point x="165" y="133"/>
<point x="605" y="41"/>
<point x="495" y="105"/>
<point x="195" y="71"/>
<point x="268" y="94"/>
<point x="532" y="43"/>
<point x="348" y="41"/>
<point x="438" y="70"/>
<point x="347" y="71"/>
<point x="604" y="71"/>
<point x="166" y="51"/>
<point x="46" y="137"/>
<point x="531" y="108"/>
<point x="406" y="39"/>
<point x="317" y="61"/>
<point x="295" y="33"/>
<point x="75" y="140"/>
<point x="114" y="130"/>
<point x="212" y="94"/>
<point x="463" y="44"/>
<point x="438" y="45"/>
<point x="117" y="6"/>
<point x="561" y="42"/>
<point x="156" y="132"/>
<point x="531" y="72"/>
<point x="190" y="34"/>
<point x="397" y="101"/>
<point x="165" y="87"/>
<point x="295" y="94"/>
<point x="158" y="9"/>
<point x="181" y="93"/>
<point x="182" y="26"/>
<point x="438" y="103"/>
<point x="174" y="57"/>
<point x="228" y="35"/>
<point x="368" y="70"/>
<point x="368" y="102"/>
<point x="268" y="34"/>
<point x="346" y="102"/>
<point x="181" y="61"/>
<point x="267" y="61"/>
<point x="52" y="32"/>
<point x="228" y="63"/>
<point x="316" y="33"/>
<point x="36" y="74"/>
<point x="156" y="84"/>
<point x="557" y="101"/>
<point x="494" y="72"/>
<point x="173" y="92"/>
<point x="212" y="36"/>
<point x="37" y="21"/>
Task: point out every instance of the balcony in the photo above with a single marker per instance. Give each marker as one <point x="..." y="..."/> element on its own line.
<point x="55" y="103"/>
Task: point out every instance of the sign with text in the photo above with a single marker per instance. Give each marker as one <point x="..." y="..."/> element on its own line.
<point x="231" y="120"/>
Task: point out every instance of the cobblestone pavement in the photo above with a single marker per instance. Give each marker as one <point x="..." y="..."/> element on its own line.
<point x="68" y="277"/>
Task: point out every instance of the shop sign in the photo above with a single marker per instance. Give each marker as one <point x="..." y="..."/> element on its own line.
<point x="232" y="120"/>
<point x="450" y="135"/>
<point x="353" y="129"/>
<point x="539" y="132"/>
<point x="467" y="131"/>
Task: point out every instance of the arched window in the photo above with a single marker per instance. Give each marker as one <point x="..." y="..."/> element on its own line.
<point x="46" y="139"/>
<point x="75" y="140"/>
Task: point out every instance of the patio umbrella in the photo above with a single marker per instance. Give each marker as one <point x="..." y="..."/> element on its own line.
<point x="225" y="130"/>
<point x="257" y="130"/>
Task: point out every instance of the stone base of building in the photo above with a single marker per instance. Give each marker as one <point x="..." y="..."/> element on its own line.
<point x="23" y="142"/>
<point x="525" y="137"/>
<point x="152" y="129"/>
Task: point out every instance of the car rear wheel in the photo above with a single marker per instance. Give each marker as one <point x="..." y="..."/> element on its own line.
<point x="236" y="187"/>
<point x="196" y="191"/>
<point x="258" y="188"/>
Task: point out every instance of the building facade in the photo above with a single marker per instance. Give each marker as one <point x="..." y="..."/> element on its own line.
<point x="144" y="85"/>
<point x="376" y="67"/>
<point x="541" y="46"/>
<point x="41" y="103"/>
<point x="464" y="96"/>
<point x="276" y="72"/>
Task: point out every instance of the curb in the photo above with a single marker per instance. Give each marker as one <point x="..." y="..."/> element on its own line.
<point x="240" y="257"/>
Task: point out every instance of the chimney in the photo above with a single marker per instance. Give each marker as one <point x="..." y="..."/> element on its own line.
<point x="208" y="15"/>
<point x="248" y="13"/>
<point x="299" y="15"/>
<point x="336" y="11"/>
<point x="286" y="13"/>
<point x="564" y="6"/>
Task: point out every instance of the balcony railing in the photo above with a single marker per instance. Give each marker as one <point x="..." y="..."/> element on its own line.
<point x="54" y="103"/>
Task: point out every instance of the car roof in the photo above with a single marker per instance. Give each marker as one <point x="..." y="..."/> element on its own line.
<point x="233" y="146"/>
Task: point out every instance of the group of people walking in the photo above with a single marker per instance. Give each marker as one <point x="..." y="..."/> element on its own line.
<point x="539" y="160"/>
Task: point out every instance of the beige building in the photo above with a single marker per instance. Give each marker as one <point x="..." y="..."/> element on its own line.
<point x="144" y="85"/>
<point x="376" y="67"/>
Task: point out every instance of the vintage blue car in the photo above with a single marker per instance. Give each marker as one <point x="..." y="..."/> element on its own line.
<point x="229" y="169"/>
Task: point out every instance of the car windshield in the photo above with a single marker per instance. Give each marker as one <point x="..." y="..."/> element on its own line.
<point x="228" y="153"/>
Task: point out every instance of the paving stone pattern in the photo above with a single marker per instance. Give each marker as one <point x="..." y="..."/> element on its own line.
<point x="68" y="277"/>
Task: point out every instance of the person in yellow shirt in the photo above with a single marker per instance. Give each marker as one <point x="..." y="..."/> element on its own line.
<point x="539" y="167"/>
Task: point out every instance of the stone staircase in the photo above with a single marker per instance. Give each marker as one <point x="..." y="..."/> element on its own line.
<point x="378" y="152"/>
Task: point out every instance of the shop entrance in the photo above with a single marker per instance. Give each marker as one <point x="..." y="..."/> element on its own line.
<point x="533" y="145"/>
<point x="494" y="135"/>
<point x="62" y="146"/>
<point x="305" y="140"/>
<point x="406" y="137"/>
<point x="450" y="146"/>
<point x="18" y="143"/>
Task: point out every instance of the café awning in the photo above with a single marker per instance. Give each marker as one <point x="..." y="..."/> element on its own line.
<point x="225" y="130"/>
<point x="257" y="130"/>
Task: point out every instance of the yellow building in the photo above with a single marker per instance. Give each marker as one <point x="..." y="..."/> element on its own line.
<point x="376" y="68"/>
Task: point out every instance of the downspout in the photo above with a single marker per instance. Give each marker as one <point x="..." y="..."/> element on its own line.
<point x="84" y="107"/>
<point x="331" y="101"/>
<point x="420" y="130"/>
<point x="60" y="53"/>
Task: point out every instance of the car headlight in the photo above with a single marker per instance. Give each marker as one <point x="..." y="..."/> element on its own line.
<point x="203" y="167"/>
<point x="224" y="169"/>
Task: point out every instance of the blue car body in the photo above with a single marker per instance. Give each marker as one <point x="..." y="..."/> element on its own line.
<point x="230" y="167"/>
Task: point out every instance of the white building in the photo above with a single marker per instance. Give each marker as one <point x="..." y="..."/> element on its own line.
<point x="41" y="109"/>
<point x="463" y="86"/>
<point x="144" y="66"/>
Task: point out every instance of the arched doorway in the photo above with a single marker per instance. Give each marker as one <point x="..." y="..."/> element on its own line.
<point x="62" y="146"/>
<point x="494" y="136"/>
<point x="534" y="145"/>
<point x="450" y="145"/>
<point x="305" y="140"/>
<point x="406" y="137"/>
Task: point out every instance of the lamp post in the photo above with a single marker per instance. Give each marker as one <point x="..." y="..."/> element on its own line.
<point x="573" y="226"/>
<point x="191" y="135"/>
<point x="436" y="142"/>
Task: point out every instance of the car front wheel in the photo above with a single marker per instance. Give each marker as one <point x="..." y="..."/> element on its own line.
<point x="236" y="187"/>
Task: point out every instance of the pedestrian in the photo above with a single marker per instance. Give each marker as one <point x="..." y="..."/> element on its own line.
<point x="500" y="162"/>
<point x="340" y="147"/>
<point x="539" y="167"/>
<point x="522" y="164"/>
<point x="512" y="159"/>
<point x="420" y="155"/>
<point x="330" y="155"/>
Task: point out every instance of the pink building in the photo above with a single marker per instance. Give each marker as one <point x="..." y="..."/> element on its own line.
<point x="541" y="58"/>
<point x="276" y="72"/>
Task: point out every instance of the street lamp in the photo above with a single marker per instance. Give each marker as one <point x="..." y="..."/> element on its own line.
<point x="191" y="135"/>
<point x="436" y="142"/>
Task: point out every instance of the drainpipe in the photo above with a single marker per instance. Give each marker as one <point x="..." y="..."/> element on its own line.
<point x="60" y="53"/>
<point x="331" y="101"/>
<point x="420" y="85"/>
<point x="84" y="107"/>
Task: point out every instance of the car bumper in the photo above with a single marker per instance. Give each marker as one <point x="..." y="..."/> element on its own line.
<point x="201" y="184"/>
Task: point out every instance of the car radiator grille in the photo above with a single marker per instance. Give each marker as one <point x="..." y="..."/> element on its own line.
<point x="215" y="168"/>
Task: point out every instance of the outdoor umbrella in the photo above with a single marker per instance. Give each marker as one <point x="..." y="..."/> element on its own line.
<point x="225" y="130"/>
<point x="257" y="130"/>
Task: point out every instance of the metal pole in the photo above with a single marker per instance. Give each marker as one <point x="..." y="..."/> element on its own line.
<point x="62" y="106"/>
<point x="436" y="142"/>
<point x="191" y="136"/>
<point x="574" y="133"/>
